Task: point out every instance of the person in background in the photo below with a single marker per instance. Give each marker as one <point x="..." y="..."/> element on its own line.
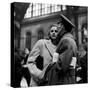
<point x="25" y="72"/>
<point x="26" y="54"/>
<point x="84" y="58"/>
<point x="45" y="49"/>
<point x="84" y="66"/>
<point x="17" y="67"/>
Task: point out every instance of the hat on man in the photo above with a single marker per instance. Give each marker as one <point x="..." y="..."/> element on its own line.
<point x="66" y="22"/>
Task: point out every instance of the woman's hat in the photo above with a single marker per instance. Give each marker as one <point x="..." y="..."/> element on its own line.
<point x="66" y="22"/>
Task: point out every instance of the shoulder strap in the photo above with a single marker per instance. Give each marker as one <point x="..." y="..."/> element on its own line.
<point x="48" y="50"/>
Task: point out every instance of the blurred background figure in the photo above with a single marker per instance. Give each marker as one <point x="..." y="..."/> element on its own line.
<point x="25" y="82"/>
<point x="26" y="53"/>
<point x="18" y="67"/>
<point x="82" y="72"/>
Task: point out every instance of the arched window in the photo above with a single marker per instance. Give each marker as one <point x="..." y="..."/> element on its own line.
<point x="28" y="40"/>
<point x="40" y="34"/>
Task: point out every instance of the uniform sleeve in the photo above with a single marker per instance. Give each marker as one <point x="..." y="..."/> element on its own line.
<point x="36" y="51"/>
<point x="65" y="54"/>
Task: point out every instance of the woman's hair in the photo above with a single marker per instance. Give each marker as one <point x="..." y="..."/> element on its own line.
<point x="53" y="25"/>
<point x="56" y="25"/>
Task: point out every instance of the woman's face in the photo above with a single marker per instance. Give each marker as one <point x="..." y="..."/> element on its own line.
<point x="26" y="51"/>
<point x="53" y="32"/>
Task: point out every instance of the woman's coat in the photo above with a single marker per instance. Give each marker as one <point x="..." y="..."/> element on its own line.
<point x="40" y="48"/>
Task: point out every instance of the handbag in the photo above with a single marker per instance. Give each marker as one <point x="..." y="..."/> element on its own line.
<point x="39" y="62"/>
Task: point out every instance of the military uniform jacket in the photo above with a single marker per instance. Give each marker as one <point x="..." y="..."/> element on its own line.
<point x="62" y="72"/>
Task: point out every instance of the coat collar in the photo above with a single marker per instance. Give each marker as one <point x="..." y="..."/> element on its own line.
<point x="68" y="35"/>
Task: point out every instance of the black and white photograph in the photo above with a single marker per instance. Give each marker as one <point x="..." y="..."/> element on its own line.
<point x="49" y="44"/>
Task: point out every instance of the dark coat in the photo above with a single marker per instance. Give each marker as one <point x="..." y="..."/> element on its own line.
<point x="84" y="70"/>
<point x="61" y="72"/>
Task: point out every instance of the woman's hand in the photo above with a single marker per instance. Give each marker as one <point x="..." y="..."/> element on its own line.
<point x="34" y="71"/>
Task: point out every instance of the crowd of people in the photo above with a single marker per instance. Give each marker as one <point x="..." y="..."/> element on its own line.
<point x="52" y="61"/>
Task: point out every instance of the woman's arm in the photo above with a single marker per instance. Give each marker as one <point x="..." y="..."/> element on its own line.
<point x="36" y="51"/>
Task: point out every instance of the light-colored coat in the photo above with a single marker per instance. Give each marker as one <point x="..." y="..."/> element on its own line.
<point x="40" y="49"/>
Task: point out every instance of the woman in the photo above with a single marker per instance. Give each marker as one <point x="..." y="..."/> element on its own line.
<point x="46" y="49"/>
